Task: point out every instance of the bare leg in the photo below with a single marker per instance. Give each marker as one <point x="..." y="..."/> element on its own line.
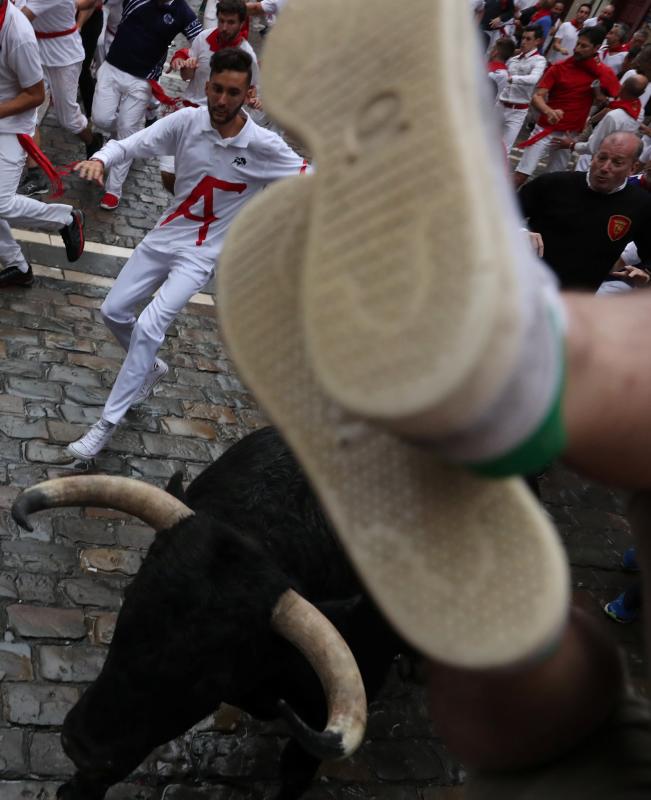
<point x="606" y="403"/>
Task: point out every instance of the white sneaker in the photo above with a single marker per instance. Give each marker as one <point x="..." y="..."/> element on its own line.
<point x="93" y="442"/>
<point x="154" y="377"/>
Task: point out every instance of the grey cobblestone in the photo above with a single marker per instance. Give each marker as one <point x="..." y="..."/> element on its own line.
<point x="46" y="756"/>
<point x="36" y="704"/>
<point x="44" y="622"/>
<point x="15" y="663"/>
<point x="12" y="760"/>
<point x="66" y="664"/>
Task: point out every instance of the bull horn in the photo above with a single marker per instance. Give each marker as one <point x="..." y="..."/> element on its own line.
<point x="318" y="640"/>
<point x="152" y="505"/>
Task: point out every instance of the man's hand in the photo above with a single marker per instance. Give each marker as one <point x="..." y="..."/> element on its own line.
<point x="536" y="242"/>
<point x="495" y="23"/>
<point x="92" y="170"/>
<point x="635" y="275"/>
<point x="562" y="143"/>
<point x="555" y="115"/>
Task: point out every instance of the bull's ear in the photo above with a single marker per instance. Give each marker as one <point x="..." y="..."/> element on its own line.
<point x="175" y="486"/>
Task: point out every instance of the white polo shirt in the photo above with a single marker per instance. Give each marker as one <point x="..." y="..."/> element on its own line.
<point x="613" y="60"/>
<point x="20" y="67"/>
<point x="55" y="16"/>
<point x="215" y="177"/>
<point x="568" y="36"/>
<point x="200" y="49"/>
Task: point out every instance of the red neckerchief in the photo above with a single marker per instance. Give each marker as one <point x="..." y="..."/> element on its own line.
<point x="3" y="13"/>
<point x="215" y="45"/>
<point x="495" y="66"/>
<point x="618" y="48"/>
<point x="544" y="12"/>
<point x="578" y="25"/>
<point x="631" y="107"/>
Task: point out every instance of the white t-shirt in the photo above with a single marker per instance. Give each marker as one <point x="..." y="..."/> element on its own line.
<point x="646" y="94"/>
<point x="612" y="60"/>
<point x="20" y="67"/>
<point x="272" y="8"/>
<point x="215" y="177"/>
<point x="568" y="36"/>
<point x="200" y="49"/>
<point x="53" y="16"/>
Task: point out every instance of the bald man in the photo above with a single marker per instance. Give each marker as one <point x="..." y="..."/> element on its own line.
<point x="583" y="221"/>
<point x="621" y="114"/>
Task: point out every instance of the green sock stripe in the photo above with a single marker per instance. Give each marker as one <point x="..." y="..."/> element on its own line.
<point x="542" y="447"/>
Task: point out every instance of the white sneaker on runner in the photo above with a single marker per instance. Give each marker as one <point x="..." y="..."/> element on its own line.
<point x="93" y="442"/>
<point x="154" y="377"/>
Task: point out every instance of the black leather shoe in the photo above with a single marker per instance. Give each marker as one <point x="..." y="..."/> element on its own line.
<point x="12" y="276"/>
<point x="94" y="145"/>
<point x="73" y="235"/>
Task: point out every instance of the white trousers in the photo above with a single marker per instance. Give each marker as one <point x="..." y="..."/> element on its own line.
<point x="177" y="277"/>
<point x="558" y="160"/>
<point x="64" y="83"/>
<point x="513" y="121"/>
<point x="20" y="210"/>
<point x="119" y="107"/>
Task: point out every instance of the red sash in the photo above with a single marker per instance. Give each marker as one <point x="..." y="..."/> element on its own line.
<point x="544" y="12"/>
<point x="161" y="95"/>
<point x="54" y="34"/>
<point x="33" y="150"/>
<point x="3" y="13"/>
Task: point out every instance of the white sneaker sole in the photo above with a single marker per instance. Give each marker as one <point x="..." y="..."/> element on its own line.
<point x="469" y="571"/>
<point x="409" y="299"/>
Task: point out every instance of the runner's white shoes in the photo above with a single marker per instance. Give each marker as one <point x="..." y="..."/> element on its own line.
<point x="155" y="376"/>
<point x="93" y="442"/>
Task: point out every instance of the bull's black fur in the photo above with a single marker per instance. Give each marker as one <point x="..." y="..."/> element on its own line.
<point x="194" y="627"/>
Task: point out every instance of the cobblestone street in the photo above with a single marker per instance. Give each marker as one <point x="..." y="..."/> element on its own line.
<point x="60" y="585"/>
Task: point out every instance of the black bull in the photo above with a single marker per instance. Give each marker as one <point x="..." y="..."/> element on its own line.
<point x="194" y="629"/>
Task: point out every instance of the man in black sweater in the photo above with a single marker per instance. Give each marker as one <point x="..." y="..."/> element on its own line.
<point x="586" y="220"/>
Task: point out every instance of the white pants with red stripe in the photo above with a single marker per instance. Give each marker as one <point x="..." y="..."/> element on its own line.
<point x="18" y="210"/>
<point x="558" y="160"/>
<point x="119" y="107"/>
<point x="177" y="276"/>
<point x="64" y="83"/>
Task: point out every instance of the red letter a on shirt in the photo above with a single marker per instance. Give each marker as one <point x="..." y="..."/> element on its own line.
<point x="203" y="191"/>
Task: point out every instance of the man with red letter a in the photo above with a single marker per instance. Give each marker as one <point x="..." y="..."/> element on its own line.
<point x="222" y="159"/>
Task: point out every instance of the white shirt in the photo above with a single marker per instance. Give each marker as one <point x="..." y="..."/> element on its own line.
<point x="615" y="121"/>
<point x="20" y="67"/>
<point x="613" y="60"/>
<point x="52" y="16"/>
<point x="646" y="94"/>
<point x="272" y="8"/>
<point x="200" y="49"/>
<point x="525" y="71"/>
<point x="567" y="35"/>
<point x="215" y="177"/>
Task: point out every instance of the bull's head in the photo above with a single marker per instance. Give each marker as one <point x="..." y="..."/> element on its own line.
<point x="102" y="735"/>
